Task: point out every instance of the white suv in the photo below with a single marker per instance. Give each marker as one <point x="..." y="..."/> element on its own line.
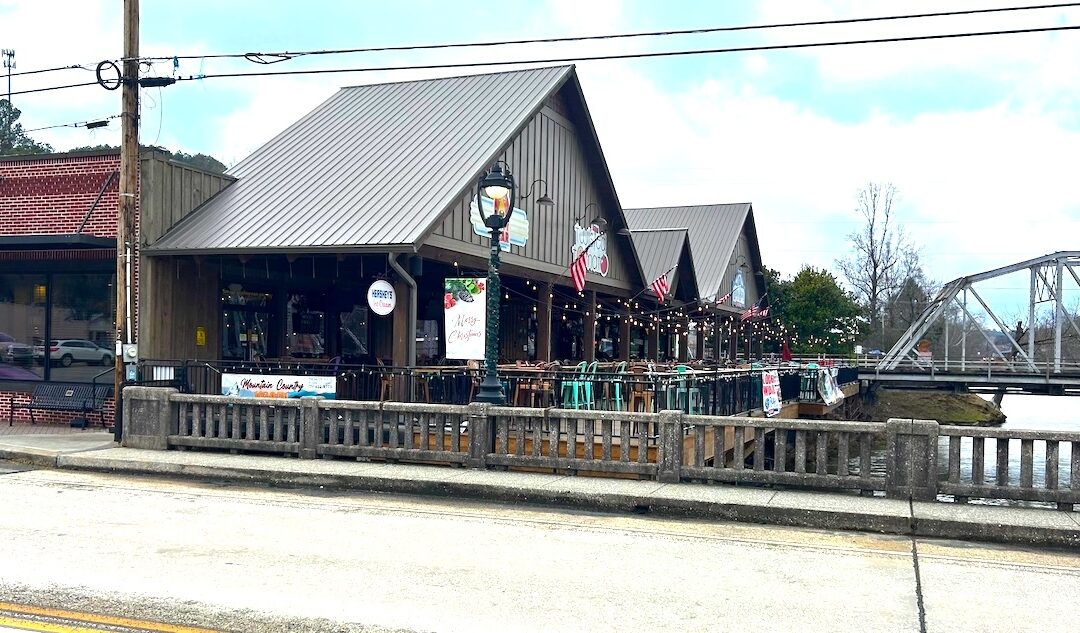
<point x="67" y="351"/>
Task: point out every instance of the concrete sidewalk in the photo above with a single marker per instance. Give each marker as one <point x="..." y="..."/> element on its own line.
<point x="97" y="452"/>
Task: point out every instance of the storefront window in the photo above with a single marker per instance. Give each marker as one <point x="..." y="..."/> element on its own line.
<point x="427" y="342"/>
<point x="56" y="326"/>
<point x="354" y="335"/>
<point x="82" y="336"/>
<point x="22" y="327"/>
<point x="306" y="328"/>
<point x="245" y="323"/>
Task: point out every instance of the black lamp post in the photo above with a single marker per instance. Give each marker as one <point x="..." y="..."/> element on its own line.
<point x="497" y="184"/>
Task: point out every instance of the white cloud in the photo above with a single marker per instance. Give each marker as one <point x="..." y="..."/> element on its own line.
<point x="979" y="189"/>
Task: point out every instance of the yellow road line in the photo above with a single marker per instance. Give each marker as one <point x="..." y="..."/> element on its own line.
<point x="85" y="618"/>
<point x="43" y="627"/>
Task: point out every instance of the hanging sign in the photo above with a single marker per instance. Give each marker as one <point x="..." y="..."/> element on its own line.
<point x="516" y="233"/>
<point x="738" y="290"/>
<point x="464" y="308"/>
<point x="381" y="297"/>
<point x="274" y="386"/>
<point x="770" y="392"/>
<point x="596" y="260"/>
<point x="827" y="387"/>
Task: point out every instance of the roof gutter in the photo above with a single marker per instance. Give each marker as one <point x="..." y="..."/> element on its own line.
<point x="391" y="258"/>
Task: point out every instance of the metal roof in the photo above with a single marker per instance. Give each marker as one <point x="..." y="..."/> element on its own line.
<point x="659" y="251"/>
<point x="372" y="166"/>
<point x="713" y="231"/>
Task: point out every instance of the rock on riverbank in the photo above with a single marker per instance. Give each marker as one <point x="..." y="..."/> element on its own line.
<point x="946" y="408"/>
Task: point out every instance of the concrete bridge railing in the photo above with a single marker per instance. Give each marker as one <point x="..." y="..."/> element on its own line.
<point x="898" y="458"/>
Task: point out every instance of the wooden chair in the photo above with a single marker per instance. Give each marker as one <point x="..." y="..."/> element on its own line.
<point x="641" y="391"/>
<point x="386" y="383"/>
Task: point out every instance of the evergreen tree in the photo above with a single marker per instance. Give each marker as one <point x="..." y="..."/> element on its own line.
<point x="14" y="140"/>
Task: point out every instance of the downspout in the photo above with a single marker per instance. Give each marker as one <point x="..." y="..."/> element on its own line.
<point x="409" y="281"/>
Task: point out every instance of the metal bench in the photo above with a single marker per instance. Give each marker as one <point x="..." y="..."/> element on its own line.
<point x="83" y="398"/>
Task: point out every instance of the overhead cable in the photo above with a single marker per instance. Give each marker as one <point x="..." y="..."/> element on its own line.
<point x="676" y="53"/>
<point x="91" y="124"/>
<point x="616" y="56"/>
<point x="275" y="57"/>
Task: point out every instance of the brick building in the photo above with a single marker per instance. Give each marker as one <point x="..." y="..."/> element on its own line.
<point x="58" y="261"/>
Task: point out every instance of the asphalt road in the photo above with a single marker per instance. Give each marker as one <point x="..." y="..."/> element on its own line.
<point x="257" y="559"/>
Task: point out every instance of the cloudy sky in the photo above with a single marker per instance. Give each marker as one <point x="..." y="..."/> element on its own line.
<point x="979" y="135"/>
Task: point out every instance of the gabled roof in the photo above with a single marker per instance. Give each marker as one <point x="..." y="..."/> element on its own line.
<point x="373" y="166"/>
<point x="713" y="231"/>
<point x="659" y="251"/>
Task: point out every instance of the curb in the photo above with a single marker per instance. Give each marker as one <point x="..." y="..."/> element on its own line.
<point x="613" y="502"/>
<point x="29" y="457"/>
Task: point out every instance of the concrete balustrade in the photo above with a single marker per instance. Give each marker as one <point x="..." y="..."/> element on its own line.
<point x="669" y="446"/>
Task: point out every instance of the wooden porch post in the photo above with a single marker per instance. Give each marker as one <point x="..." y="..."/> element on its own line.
<point x="402" y="331"/>
<point x="699" y="343"/>
<point x="624" y="336"/>
<point x="589" y="338"/>
<point x="684" y="340"/>
<point x="543" y="323"/>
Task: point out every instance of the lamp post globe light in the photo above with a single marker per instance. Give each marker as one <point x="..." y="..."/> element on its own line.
<point x="498" y="185"/>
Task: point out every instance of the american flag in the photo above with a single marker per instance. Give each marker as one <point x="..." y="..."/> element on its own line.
<point x="755" y="311"/>
<point x="724" y="299"/>
<point x="660" y="286"/>
<point x="577" y="271"/>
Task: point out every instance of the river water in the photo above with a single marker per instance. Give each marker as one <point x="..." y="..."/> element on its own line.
<point x="1043" y="413"/>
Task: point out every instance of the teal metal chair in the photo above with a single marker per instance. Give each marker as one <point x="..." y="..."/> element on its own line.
<point x="686" y="395"/>
<point x="588" y="377"/>
<point x="573" y="388"/>
<point x="615" y="387"/>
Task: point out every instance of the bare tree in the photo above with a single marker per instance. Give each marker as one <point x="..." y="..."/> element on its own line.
<point x="880" y="254"/>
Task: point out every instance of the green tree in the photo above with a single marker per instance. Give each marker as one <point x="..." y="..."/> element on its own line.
<point x="14" y="140"/>
<point x="199" y="161"/>
<point x="820" y="315"/>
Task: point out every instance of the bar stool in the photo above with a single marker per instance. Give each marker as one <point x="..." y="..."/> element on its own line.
<point x="640" y="391"/>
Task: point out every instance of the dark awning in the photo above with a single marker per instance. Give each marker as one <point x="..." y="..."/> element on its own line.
<point x="73" y="240"/>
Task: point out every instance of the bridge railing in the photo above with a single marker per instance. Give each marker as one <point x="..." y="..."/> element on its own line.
<point x="803" y="453"/>
<point x="978" y="468"/>
<point x="669" y="446"/>
<point x="985" y="366"/>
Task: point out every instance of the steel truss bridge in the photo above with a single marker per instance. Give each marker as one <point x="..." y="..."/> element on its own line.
<point x="960" y="342"/>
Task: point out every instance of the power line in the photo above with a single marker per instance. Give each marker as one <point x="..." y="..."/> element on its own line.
<point x="26" y="92"/>
<point x="676" y="53"/>
<point x="49" y="70"/>
<point x="101" y="122"/>
<point x="269" y="58"/>
<point x="478" y="64"/>
<point x="274" y="57"/>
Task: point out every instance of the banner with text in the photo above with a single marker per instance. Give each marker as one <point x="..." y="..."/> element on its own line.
<point x="770" y="392"/>
<point x="827" y="387"/>
<point x="274" y="386"/>
<point x="464" y="307"/>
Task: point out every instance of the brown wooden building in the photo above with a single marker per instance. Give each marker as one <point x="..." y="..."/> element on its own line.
<point x="379" y="183"/>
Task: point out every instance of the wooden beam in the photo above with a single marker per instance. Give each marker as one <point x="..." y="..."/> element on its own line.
<point x="543" y="323"/>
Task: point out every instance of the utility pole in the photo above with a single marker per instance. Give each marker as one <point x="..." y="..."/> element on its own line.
<point x="129" y="189"/>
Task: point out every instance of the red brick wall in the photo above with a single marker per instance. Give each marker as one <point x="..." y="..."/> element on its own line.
<point x="51" y="196"/>
<point x="22" y="416"/>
